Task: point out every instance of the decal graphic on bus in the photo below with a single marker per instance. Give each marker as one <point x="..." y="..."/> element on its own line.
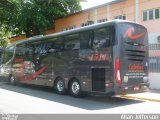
<point x="130" y="34"/>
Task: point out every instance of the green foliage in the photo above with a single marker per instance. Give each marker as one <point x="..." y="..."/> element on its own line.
<point x="34" y="17"/>
<point x="4" y="36"/>
<point x="6" y="8"/>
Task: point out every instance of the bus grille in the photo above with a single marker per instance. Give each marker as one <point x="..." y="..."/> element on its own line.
<point x="135" y="55"/>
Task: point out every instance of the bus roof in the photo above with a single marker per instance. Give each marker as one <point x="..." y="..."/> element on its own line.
<point x="80" y="29"/>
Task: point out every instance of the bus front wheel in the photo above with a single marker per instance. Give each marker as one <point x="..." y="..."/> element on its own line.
<point x="75" y="88"/>
<point x="12" y="80"/>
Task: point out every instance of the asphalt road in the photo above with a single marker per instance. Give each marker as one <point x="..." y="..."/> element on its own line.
<point x="24" y="99"/>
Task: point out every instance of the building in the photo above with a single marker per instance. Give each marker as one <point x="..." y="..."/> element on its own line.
<point x="145" y="12"/>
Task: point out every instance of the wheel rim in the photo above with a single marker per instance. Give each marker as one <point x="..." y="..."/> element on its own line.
<point x="75" y="87"/>
<point x="60" y="85"/>
<point x="12" y="80"/>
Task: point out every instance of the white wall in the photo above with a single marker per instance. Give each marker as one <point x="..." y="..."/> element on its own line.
<point x="153" y="37"/>
<point x="154" y="80"/>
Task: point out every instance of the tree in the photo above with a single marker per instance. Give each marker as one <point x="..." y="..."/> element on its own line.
<point x="34" y="17"/>
<point x="4" y="33"/>
<point x="6" y="8"/>
<point x="6" y="4"/>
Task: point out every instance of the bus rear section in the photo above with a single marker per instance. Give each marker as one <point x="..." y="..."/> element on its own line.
<point x="131" y="62"/>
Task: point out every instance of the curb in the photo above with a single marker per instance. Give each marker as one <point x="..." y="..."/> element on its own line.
<point x="140" y="98"/>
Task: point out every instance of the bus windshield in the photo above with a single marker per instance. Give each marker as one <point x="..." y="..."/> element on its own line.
<point x="8" y="55"/>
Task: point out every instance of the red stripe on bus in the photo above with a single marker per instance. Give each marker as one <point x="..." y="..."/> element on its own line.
<point x="32" y="76"/>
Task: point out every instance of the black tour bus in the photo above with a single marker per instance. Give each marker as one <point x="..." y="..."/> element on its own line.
<point x="106" y="58"/>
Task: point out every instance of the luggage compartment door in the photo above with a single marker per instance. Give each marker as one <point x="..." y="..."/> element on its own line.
<point x="98" y="79"/>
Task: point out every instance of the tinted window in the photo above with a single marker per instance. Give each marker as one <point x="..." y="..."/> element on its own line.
<point x="102" y="38"/>
<point x="44" y="46"/>
<point x="54" y="45"/>
<point x="86" y="40"/>
<point x="72" y="42"/>
<point x="34" y="48"/>
<point x="20" y="49"/>
<point x="58" y="44"/>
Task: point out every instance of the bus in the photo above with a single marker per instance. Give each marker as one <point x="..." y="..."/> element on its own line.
<point x="106" y="58"/>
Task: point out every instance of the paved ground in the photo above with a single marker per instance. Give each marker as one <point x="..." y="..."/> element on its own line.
<point x="27" y="99"/>
<point x="154" y="91"/>
<point x="151" y="95"/>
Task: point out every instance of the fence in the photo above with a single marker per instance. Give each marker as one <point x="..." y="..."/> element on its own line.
<point x="154" y="58"/>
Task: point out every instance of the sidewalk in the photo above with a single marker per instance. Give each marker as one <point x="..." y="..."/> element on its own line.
<point x="154" y="91"/>
<point x="151" y="95"/>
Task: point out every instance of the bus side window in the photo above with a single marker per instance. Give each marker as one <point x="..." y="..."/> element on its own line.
<point x="34" y="48"/>
<point x="20" y="49"/>
<point x="30" y="49"/>
<point x="49" y="46"/>
<point x="101" y="38"/>
<point x="39" y="48"/>
<point x="58" y="44"/>
<point x="54" y="45"/>
<point x="86" y="40"/>
<point x="72" y="42"/>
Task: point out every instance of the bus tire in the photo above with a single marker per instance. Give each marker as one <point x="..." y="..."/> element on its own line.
<point x="75" y="88"/>
<point x="12" y="80"/>
<point x="59" y="86"/>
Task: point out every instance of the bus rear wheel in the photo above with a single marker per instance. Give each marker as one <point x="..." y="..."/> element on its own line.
<point x="75" y="88"/>
<point x="60" y="86"/>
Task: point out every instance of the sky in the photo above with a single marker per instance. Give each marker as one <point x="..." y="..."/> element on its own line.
<point x="92" y="3"/>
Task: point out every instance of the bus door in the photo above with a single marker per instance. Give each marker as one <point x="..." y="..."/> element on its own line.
<point x="133" y="55"/>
